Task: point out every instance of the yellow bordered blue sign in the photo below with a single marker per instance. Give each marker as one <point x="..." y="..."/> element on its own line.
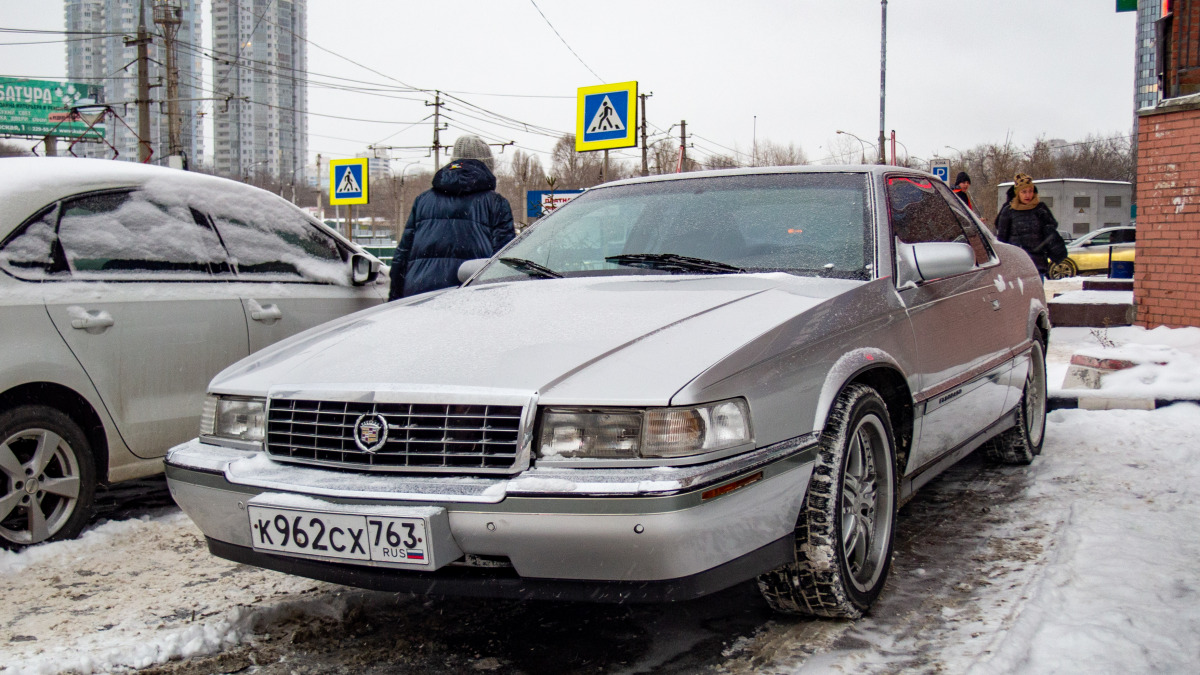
<point x="607" y="117"/>
<point x="348" y="181"/>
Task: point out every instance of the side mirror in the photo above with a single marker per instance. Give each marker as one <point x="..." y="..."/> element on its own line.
<point x="932" y="260"/>
<point x="363" y="270"/>
<point x="469" y="268"/>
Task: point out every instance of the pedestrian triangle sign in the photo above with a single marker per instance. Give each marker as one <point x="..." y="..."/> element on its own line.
<point x="606" y="117"/>
<point x="348" y="186"/>
<point x="348" y="180"/>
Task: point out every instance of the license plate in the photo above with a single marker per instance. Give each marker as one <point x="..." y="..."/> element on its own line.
<point x="341" y="536"/>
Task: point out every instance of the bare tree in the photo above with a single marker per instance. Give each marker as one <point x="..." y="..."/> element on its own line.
<point x="522" y="174"/>
<point x="778" y="154"/>
<point x="8" y="149"/>
<point x="720" y="162"/>
<point x="991" y="164"/>
<point x="573" y="169"/>
<point x="845" y="150"/>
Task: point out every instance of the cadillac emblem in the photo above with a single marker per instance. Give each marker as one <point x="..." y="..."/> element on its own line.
<point x="370" y="432"/>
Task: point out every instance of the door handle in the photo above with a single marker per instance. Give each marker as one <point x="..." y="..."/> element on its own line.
<point x="267" y="314"/>
<point x="92" y="321"/>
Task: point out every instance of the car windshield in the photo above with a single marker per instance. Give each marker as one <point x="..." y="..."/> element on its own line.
<point x="809" y="224"/>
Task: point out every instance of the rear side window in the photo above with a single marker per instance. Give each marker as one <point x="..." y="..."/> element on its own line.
<point x="32" y="253"/>
<point x="128" y="234"/>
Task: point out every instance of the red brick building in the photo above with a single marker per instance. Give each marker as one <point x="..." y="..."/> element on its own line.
<point x="1167" y="274"/>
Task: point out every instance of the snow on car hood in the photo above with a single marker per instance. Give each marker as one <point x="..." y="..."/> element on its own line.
<point x="632" y="340"/>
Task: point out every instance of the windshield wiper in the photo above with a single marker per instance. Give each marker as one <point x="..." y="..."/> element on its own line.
<point x="531" y="268"/>
<point x="673" y="262"/>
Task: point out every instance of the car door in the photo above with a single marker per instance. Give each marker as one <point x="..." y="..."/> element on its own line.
<point x="142" y="312"/>
<point x="292" y="274"/>
<point x="962" y="357"/>
<point x="1123" y="242"/>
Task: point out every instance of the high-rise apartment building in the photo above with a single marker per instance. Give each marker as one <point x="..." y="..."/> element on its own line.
<point x="106" y="60"/>
<point x="1145" y="91"/>
<point x="260" y="66"/>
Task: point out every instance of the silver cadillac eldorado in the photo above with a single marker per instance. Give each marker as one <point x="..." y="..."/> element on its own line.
<point x="669" y="386"/>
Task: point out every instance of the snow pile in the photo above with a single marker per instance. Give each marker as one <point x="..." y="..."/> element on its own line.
<point x="1167" y="361"/>
<point x="1094" y="298"/>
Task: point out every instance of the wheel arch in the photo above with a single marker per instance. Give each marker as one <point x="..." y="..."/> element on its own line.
<point x="71" y="404"/>
<point x="878" y="370"/>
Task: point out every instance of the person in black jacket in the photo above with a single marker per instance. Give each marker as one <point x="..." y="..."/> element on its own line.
<point x="1028" y="223"/>
<point x="462" y="218"/>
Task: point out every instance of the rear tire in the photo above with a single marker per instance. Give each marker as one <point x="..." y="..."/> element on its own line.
<point x="1063" y="270"/>
<point x="47" y="477"/>
<point x="844" y="532"/>
<point x="1023" y="442"/>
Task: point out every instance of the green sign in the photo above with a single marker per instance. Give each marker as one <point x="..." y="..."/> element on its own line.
<point x="38" y="108"/>
<point x="1126" y="5"/>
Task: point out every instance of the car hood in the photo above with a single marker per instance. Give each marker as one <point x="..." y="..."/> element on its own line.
<point x="629" y="340"/>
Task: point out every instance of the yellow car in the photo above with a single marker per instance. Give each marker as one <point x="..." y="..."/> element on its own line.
<point x="1093" y="252"/>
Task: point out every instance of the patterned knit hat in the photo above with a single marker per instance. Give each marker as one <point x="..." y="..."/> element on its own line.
<point x="1022" y="181"/>
<point x="473" y="147"/>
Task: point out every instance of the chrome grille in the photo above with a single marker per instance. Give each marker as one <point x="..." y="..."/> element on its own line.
<point x="420" y="437"/>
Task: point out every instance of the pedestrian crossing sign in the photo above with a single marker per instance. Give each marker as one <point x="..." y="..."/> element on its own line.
<point x="348" y="181"/>
<point x="606" y="117"/>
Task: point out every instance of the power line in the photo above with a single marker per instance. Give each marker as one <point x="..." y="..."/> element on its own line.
<point x="564" y="41"/>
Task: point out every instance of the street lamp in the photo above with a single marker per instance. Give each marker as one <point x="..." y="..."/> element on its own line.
<point x="861" y="142"/>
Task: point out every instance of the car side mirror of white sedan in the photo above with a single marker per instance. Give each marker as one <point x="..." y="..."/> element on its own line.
<point x="932" y="260"/>
<point x="363" y="270"/>
<point x="469" y="268"/>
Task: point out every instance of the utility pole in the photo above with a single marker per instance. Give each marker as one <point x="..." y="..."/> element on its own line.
<point x="882" y="77"/>
<point x="437" y="128"/>
<point x="168" y="14"/>
<point x="321" y="187"/>
<point x="682" y="146"/>
<point x="645" y="150"/>
<point x="142" y="42"/>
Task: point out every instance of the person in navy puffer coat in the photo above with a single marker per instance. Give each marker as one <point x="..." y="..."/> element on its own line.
<point x="461" y="218"/>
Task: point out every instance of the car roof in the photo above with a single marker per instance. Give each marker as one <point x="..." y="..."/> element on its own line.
<point x="29" y="183"/>
<point x="875" y="170"/>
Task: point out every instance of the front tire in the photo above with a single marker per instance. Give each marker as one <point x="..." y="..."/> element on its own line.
<point x="1023" y="442"/>
<point x="844" y="532"/>
<point x="47" y="477"/>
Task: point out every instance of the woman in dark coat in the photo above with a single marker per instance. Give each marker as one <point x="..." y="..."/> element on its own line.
<point x="1028" y="223"/>
<point x="462" y="218"/>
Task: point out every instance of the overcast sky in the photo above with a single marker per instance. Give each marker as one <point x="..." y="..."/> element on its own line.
<point x="959" y="73"/>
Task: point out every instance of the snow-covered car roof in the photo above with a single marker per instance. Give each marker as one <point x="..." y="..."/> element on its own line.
<point x="29" y="183"/>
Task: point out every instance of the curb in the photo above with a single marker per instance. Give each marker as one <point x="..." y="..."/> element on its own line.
<point x="1111" y="403"/>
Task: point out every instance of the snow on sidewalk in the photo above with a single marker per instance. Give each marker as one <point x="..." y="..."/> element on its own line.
<point x="1120" y="591"/>
<point x="139" y="592"/>
<point x="1111" y="508"/>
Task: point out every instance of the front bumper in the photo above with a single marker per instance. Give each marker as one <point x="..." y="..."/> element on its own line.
<point x="596" y="534"/>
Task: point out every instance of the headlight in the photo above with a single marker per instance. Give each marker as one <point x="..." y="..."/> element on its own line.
<point x="653" y="432"/>
<point x="242" y="419"/>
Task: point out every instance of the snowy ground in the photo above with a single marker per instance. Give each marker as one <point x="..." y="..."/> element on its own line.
<point x="1083" y="562"/>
